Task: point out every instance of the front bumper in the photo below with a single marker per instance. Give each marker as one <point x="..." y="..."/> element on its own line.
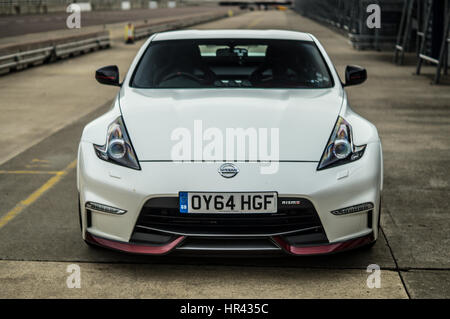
<point x="279" y="245"/>
<point x="327" y="190"/>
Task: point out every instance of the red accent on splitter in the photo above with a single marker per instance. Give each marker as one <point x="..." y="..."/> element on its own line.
<point x="323" y="249"/>
<point x="133" y="248"/>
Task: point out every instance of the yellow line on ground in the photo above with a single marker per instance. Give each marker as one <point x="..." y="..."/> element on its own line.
<point x="255" y="22"/>
<point x="35" y="195"/>
<point x="32" y="172"/>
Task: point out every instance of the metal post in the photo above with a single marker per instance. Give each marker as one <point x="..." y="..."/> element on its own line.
<point x="400" y="31"/>
<point x="444" y="49"/>
<point x="424" y="37"/>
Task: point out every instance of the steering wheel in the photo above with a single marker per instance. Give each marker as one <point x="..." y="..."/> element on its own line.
<point x="178" y="74"/>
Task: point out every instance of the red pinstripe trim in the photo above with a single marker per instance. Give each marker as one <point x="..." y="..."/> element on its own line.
<point x="105" y="77"/>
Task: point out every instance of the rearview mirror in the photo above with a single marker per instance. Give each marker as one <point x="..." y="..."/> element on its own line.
<point x="354" y="75"/>
<point x="235" y="52"/>
<point x="108" y="75"/>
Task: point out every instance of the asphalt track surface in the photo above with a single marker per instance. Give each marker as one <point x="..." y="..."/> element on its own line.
<point x="39" y="231"/>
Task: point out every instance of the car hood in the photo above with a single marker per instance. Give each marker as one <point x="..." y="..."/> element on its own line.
<point x="304" y="117"/>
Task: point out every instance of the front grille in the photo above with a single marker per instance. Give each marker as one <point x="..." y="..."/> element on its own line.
<point x="162" y="213"/>
<point x="228" y="243"/>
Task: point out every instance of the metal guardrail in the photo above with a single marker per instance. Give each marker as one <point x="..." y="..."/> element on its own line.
<point x="24" y="59"/>
<point x="21" y="59"/>
<point x="65" y="49"/>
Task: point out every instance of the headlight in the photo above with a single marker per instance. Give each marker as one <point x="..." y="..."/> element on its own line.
<point x="118" y="148"/>
<point x="340" y="149"/>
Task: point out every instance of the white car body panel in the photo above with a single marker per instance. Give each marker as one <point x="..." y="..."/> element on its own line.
<point x="151" y="116"/>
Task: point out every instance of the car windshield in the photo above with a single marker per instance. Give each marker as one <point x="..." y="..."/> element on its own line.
<point x="228" y="63"/>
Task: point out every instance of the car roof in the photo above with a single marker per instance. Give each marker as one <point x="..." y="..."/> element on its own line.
<point x="233" y="34"/>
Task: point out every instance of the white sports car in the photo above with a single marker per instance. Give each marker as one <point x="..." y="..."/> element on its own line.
<point x="230" y="141"/>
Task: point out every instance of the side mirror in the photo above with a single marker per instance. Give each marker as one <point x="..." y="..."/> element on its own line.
<point x="108" y="75"/>
<point x="354" y="75"/>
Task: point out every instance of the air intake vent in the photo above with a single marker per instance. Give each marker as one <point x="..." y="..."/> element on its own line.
<point x="293" y="214"/>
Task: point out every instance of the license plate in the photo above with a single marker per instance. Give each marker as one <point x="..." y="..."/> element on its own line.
<point x="210" y="203"/>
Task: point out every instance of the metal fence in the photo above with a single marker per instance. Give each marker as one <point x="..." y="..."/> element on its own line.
<point x="350" y="16"/>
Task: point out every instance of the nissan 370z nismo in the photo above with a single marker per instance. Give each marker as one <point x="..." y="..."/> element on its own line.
<point x="230" y="141"/>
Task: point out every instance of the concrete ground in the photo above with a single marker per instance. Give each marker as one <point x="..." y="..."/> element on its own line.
<point x="48" y="280"/>
<point x="43" y="112"/>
